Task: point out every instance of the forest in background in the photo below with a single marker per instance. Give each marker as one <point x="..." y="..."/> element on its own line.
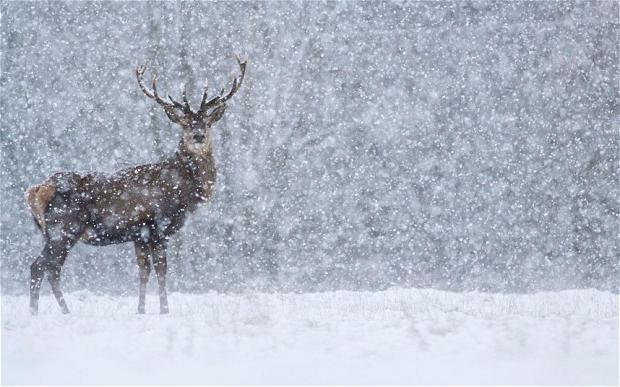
<point x="462" y="146"/>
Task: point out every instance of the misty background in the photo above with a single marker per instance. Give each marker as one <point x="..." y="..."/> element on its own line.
<point x="460" y="146"/>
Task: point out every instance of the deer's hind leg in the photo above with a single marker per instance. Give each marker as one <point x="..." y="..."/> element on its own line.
<point x="53" y="267"/>
<point x="61" y="229"/>
<point x="50" y="261"/>
<point x="37" y="271"/>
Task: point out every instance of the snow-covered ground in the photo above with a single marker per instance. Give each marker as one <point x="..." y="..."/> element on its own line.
<point x="399" y="336"/>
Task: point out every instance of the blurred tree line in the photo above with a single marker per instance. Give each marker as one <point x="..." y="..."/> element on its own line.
<point x="466" y="145"/>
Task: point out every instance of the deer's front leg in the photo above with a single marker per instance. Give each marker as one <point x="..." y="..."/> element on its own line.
<point x="144" y="267"/>
<point x="161" y="267"/>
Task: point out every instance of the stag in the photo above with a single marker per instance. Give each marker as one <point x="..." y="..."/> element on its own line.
<point x="145" y="204"/>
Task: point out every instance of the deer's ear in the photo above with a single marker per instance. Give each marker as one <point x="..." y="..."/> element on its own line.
<point x="172" y="115"/>
<point x="216" y="114"/>
<point x="184" y="121"/>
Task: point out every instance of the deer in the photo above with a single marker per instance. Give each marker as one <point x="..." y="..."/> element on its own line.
<point x="145" y="204"/>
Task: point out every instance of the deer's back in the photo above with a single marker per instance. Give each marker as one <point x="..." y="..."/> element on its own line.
<point x="147" y="202"/>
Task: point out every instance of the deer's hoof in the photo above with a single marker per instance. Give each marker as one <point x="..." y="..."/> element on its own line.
<point x="141" y="311"/>
<point x="163" y="310"/>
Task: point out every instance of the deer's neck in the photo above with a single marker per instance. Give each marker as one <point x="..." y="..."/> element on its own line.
<point x="201" y="166"/>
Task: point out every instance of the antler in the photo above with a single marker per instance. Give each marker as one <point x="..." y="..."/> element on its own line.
<point x="204" y="105"/>
<point x="185" y="107"/>
<point x="221" y="99"/>
<point x="236" y="85"/>
<point x="171" y="107"/>
<point x="140" y="69"/>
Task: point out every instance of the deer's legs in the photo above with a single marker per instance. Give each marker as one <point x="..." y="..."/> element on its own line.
<point x="161" y="267"/>
<point x="53" y="276"/>
<point x="37" y="270"/>
<point x="144" y="267"/>
<point x="50" y="261"/>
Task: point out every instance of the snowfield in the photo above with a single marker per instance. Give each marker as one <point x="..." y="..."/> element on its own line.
<point x="398" y="336"/>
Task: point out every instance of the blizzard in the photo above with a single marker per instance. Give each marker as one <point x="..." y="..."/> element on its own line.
<point x="392" y="337"/>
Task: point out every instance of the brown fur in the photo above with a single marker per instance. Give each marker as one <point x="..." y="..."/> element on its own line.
<point x="38" y="198"/>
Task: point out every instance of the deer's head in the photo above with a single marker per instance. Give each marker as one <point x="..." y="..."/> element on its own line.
<point x="196" y="137"/>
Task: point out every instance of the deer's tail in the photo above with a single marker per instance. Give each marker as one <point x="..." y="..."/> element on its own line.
<point x="38" y="198"/>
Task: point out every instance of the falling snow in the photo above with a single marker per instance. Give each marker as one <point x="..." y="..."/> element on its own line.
<point x="456" y="148"/>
